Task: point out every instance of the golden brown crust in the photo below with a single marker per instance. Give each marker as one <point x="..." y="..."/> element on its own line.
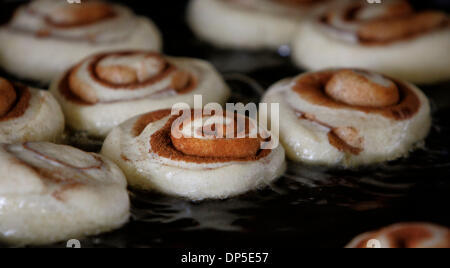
<point x="231" y="148"/>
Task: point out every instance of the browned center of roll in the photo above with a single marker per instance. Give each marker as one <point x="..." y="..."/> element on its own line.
<point x="358" y="89"/>
<point x="8" y="96"/>
<point x="209" y="146"/>
<point x="227" y="136"/>
<point x="79" y="15"/>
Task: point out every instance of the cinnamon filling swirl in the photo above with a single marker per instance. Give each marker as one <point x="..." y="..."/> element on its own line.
<point x="222" y="136"/>
<point x="207" y="143"/>
<point x="389" y="23"/>
<point x="324" y="89"/>
<point x="14" y="100"/>
<point x="345" y="139"/>
<point x="122" y="71"/>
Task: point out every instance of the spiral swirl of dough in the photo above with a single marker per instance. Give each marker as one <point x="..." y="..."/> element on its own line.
<point x="28" y="114"/>
<point x="51" y="193"/>
<point x="349" y="117"/>
<point x="174" y="155"/>
<point x="106" y="89"/>
<point x="220" y="136"/>
<point x="405" y="235"/>
<point x="66" y="33"/>
<point x="388" y="38"/>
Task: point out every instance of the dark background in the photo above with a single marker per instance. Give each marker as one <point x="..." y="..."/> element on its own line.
<point x="169" y="15"/>
<point x="309" y="206"/>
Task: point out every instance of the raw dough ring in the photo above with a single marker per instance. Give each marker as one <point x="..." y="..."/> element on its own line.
<point x="51" y="193"/>
<point x="349" y="117"/>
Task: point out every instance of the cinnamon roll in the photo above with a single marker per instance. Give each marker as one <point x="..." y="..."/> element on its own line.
<point x="391" y="38"/>
<point x="46" y="37"/>
<point x="195" y="156"/>
<point x="28" y="114"/>
<point x="349" y="117"/>
<point x="405" y="235"/>
<point x="251" y="24"/>
<point x="51" y="193"/>
<point x="106" y="89"/>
